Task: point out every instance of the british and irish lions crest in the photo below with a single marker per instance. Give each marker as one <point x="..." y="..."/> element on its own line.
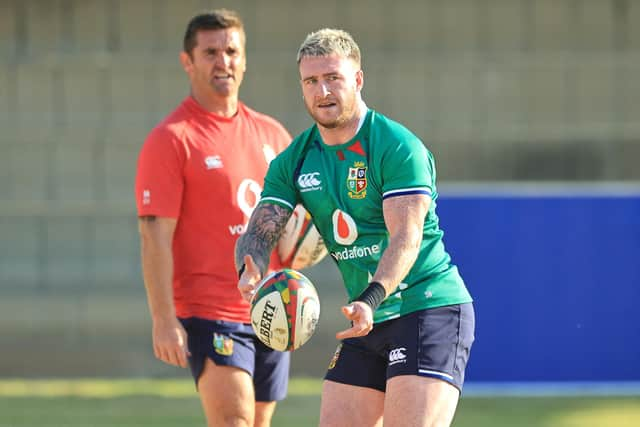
<point x="357" y="181"/>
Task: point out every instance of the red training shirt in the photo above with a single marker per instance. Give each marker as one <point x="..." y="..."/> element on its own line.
<point x="207" y="171"/>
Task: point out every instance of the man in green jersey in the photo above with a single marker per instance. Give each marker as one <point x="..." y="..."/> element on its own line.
<point x="369" y="184"/>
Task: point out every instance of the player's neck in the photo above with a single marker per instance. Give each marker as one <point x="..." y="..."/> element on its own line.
<point x="342" y="134"/>
<point x="225" y="106"/>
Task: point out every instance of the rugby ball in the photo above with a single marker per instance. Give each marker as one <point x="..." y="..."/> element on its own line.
<point x="285" y="310"/>
<point x="300" y="245"/>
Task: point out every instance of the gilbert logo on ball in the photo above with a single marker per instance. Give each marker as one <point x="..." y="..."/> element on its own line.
<point x="285" y="310"/>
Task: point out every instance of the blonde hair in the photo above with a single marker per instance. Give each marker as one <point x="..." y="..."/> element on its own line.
<point x="328" y="41"/>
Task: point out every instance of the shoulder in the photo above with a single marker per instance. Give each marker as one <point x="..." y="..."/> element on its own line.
<point x="300" y="144"/>
<point x="389" y="135"/>
<point x="169" y="132"/>
<point x="263" y="121"/>
<point x="172" y="126"/>
<point x="389" y="129"/>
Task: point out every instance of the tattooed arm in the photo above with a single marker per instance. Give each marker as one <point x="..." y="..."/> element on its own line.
<point x="254" y="247"/>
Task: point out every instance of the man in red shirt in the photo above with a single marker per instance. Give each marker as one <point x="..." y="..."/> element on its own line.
<point x="199" y="177"/>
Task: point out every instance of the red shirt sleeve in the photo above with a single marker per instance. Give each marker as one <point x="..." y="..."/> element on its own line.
<point x="159" y="178"/>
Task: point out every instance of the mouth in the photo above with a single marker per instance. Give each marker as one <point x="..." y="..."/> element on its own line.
<point x="326" y="104"/>
<point x="222" y="77"/>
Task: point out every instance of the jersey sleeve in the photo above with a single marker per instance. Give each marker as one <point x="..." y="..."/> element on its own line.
<point x="283" y="138"/>
<point x="279" y="185"/>
<point x="159" y="181"/>
<point x="408" y="169"/>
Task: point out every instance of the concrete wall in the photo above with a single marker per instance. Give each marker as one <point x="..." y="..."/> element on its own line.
<point x="498" y="90"/>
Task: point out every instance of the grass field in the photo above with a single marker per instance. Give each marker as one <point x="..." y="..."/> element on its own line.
<point x="146" y="403"/>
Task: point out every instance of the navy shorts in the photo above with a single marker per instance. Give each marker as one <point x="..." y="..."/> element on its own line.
<point x="431" y="343"/>
<point x="235" y="344"/>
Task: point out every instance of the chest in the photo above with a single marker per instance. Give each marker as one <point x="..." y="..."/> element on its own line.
<point x="225" y="156"/>
<point x="340" y="181"/>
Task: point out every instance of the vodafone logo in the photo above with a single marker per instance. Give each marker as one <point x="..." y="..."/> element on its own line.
<point x="345" y="231"/>
<point x="247" y="198"/>
<point x="309" y="181"/>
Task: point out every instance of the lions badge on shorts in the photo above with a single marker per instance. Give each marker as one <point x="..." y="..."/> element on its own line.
<point x="222" y="344"/>
<point x="334" y="359"/>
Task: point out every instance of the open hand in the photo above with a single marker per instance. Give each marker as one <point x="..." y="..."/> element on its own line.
<point x="361" y="317"/>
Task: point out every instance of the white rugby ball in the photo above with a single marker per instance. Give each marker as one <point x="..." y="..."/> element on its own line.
<point x="285" y="310"/>
<point x="300" y="245"/>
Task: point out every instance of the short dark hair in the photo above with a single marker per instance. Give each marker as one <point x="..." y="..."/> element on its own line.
<point x="219" y="19"/>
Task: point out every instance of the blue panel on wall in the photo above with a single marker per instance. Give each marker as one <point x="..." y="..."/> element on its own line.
<point x="556" y="283"/>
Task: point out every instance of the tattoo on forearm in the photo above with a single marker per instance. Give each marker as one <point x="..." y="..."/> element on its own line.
<point x="264" y="229"/>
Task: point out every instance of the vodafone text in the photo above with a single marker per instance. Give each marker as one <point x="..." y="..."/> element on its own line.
<point x="356" y="252"/>
<point x="237" y="229"/>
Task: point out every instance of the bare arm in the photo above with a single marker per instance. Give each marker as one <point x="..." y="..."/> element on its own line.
<point x="404" y="217"/>
<point x="169" y="337"/>
<point x="254" y="247"/>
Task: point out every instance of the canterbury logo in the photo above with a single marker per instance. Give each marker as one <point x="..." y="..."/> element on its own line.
<point x="397" y="355"/>
<point x="309" y="180"/>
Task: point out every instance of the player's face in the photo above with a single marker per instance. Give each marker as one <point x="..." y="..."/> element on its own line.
<point x="218" y="62"/>
<point x="330" y="87"/>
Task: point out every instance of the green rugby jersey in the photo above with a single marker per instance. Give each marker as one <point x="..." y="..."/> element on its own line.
<point x="343" y="186"/>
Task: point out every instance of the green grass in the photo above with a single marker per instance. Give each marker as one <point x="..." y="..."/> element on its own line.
<point x="142" y="403"/>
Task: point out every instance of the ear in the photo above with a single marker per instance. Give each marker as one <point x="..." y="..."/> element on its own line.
<point x="187" y="63"/>
<point x="359" y="80"/>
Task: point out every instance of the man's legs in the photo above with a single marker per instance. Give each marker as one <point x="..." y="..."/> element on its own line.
<point x="264" y="413"/>
<point x="345" y="405"/>
<point x="270" y="382"/>
<point x="227" y="396"/>
<point x="239" y="379"/>
<point x="228" y="399"/>
<point x="414" y="401"/>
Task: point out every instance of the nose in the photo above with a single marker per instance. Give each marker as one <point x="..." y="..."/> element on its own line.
<point x="324" y="90"/>
<point x="223" y="60"/>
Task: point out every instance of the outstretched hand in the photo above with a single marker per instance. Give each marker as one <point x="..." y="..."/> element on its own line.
<point x="250" y="277"/>
<point x="361" y="317"/>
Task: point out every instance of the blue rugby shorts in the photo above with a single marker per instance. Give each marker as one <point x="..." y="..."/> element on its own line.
<point x="432" y="343"/>
<point x="236" y="344"/>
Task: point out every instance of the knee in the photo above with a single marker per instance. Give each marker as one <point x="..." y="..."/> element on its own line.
<point x="230" y="420"/>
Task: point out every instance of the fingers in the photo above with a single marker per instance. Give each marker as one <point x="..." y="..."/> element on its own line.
<point x="170" y="346"/>
<point x="247" y="289"/>
<point x="348" y="311"/>
<point x="250" y="265"/>
<point x="361" y="318"/>
<point x="173" y="355"/>
<point x="249" y="278"/>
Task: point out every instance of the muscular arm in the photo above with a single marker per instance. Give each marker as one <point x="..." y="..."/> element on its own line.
<point x="254" y="247"/>
<point x="169" y="337"/>
<point x="404" y="217"/>
<point x="263" y="231"/>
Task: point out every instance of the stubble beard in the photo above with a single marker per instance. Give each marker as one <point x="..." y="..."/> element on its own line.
<point x="223" y="89"/>
<point x="346" y="114"/>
